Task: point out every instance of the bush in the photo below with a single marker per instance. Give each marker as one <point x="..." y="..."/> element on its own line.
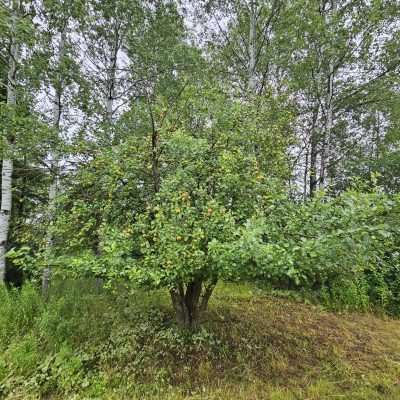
<point x="346" y="249"/>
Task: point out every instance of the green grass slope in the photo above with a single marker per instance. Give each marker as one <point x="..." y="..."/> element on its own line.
<point x="86" y="345"/>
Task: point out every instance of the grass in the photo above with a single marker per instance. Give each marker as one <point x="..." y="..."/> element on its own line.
<point x="252" y="345"/>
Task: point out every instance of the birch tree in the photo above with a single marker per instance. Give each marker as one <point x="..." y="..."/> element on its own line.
<point x="54" y="157"/>
<point x="241" y="35"/>
<point x="105" y="66"/>
<point x="338" y="52"/>
<point x="7" y="164"/>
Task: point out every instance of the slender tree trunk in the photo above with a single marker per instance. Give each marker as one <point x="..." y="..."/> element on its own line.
<point x="109" y="119"/>
<point x="154" y="161"/>
<point x="313" y="164"/>
<point x="328" y="128"/>
<point x="155" y="168"/>
<point x="377" y="139"/>
<point x="313" y="153"/>
<point x="252" y="48"/>
<point x="325" y="149"/>
<point x="54" y="163"/>
<point x="305" y="176"/>
<point x="191" y="302"/>
<point x="111" y="77"/>
<point x="7" y="165"/>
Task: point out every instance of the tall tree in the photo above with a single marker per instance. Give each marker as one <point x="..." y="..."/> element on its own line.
<point x="7" y="165"/>
<point x="335" y="51"/>
<point x="241" y="37"/>
<point x="54" y="157"/>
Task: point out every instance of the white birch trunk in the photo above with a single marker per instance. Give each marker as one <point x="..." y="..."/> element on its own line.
<point x="54" y="164"/>
<point x="7" y="165"/>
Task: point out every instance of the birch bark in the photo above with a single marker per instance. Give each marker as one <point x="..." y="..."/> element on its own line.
<point x="7" y="165"/>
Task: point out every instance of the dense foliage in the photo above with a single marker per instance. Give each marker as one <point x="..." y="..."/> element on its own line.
<point x="145" y="153"/>
<point x="174" y="174"/>
<point x="346" y="248"/>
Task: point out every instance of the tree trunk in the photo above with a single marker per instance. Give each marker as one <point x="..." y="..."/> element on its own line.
<point x="111" y="84"/>
<point x="109" y="98"/>
<point x="54" y="164"/>
<point x="305" y="176"/>
<point x="155" y="170"/>
<point x="154" y="161"/>
<point x="190" y="304"/>
<point x="328" y="128"/>
<point x="325" y="149"/>
<point x="252" y="48"/>
<point x="376" y="144"/>
<point x="7" y="165"/>
<point x="314" y="153"/>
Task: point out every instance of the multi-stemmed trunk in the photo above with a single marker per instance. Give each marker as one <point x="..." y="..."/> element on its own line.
<point x="190" y="301"/>
<point x="7" y="165"/>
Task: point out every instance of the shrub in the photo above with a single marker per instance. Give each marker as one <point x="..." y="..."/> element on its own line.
<point x="346" y="248"/>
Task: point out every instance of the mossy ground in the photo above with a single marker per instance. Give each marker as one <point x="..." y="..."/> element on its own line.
<point x="252" y="345"/>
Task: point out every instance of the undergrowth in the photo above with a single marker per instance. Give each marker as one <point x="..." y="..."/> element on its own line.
<point x="86" y="344"/>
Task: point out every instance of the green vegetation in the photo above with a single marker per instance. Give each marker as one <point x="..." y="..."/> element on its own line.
<point x="200" y="199"/>
<point x="87" y="345"/>
<point x="345" y="249"/>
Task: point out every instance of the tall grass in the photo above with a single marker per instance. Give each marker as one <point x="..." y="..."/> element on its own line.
<point x="88" y="344"/>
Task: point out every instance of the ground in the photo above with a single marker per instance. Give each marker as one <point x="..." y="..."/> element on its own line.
<point x="252" y="345"/>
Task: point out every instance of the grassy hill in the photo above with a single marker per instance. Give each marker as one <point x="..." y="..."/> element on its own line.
<point x="88" y="345"/>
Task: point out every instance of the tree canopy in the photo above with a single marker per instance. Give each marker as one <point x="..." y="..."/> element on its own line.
<point x="166" y="144"/>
